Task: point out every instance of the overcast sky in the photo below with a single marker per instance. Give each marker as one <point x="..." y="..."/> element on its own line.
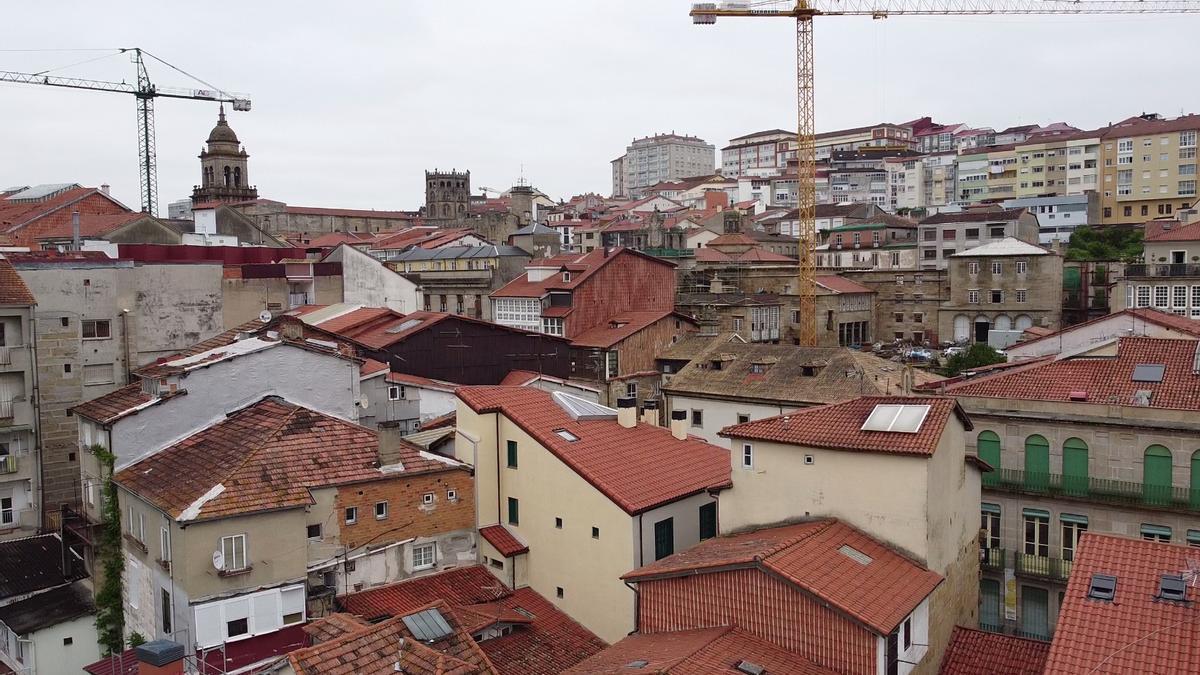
<point x="353" y="100"/>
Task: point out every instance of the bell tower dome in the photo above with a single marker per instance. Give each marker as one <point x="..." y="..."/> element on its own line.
<point x="224" y="167"/>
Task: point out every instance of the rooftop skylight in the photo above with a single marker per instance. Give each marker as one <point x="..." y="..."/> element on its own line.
<point x="899" y="418"/>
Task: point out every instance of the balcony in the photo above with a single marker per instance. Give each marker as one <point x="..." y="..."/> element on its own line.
<point x="669" y="252"/>
<point x="1177" y="270"/>
<point x="299" y="300"/>
<point x="1094" y="489"/>
<point x="6" y="410"/>
<point x="992" y="559"/>
<point x="1042" y="567"/>
<point x="9" y="464"/>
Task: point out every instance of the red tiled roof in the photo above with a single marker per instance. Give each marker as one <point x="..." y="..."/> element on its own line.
<point x="1148" y="314"/>
<point x="637" y="468"/>
<point x="114" y="405"/>
<point x="1155" y="231"/>
<point x="349" y="213"/>
<point x="424" y="382"/>
<point x="440" y="421"/>
<point x="404" y="238"/>
<point x="974" y="216"/>
<point x="390" y="647"/>
<point x="125" y="663"/>
<point x="976" y="652"/>
<point x="581" y="267"/>
<point x="733" y="239"/>
<point x="13" y="290"/>
<point x="696" y="652"/>
<point x="372" y="367"/>
<point x="839" y="284"/>
<point x="332" y="626"/>
<point x="518" y="378"/>
<point x="546" y="643"/>
<point x="620" y="327"/>
<point x="357" y="317"/>
<point x="1138" y="125"/>
<point x="90" y="225"/>
<point x="503" y="540"/>
<point x="1135" y="633"/>
<point x="1106" y="380"/>
<point x="263" y="457"/>
<point x="839" y="426"/>
<point x="332" y="239"/>
<point x="879" y="594"/>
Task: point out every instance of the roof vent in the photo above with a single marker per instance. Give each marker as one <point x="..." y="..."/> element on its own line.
<point x="750" y="668"/>
<point x="1172" y="587"/>
<point x="428" y="625"/>
<point x="1078" y="396"/>
<point x="1141" y="397"/>
<point x="1148" y="372"/>
<point x="1102" y="587"/>
<point x="854" y="554"/>
<point x="640" y="663"/>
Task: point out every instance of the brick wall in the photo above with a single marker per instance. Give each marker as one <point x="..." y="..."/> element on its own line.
<point x="407" y="516"/>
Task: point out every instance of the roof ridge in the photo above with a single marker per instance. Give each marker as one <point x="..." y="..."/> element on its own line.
<point x="824" y="524"/>
<point x="253" y="451"/>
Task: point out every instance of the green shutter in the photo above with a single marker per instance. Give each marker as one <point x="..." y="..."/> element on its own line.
<point x="514" y="511"/>
<point x="1156" y="475"/>
<point x="1075" y="467"/>
<point x="512" y="454"/>
<point x="708" y="520"/>
<point x="989" y="508"/>
<point x="1036" y="513"/>
<point x="1193" y="537"/>
<point x="1072" y="518"/>
<point x="988" y="447"/>
<point x="1156" y="531"/>
<point x="1194" y="493"/>
<point x="664" y="538"/>
<point x="989" y="605"/>
<point x="1037" y="463"/>
<point x="1035" y="612"/>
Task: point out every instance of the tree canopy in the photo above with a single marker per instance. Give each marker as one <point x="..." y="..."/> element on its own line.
<point x="1108" y="243"/>
<point x="977" y="355"/>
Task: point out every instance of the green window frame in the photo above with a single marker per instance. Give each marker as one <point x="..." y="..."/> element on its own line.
<point x="1035" y="612"/>
<point x="1194" y="485"/>
<point x="512" y="454"/>
<point x="1037" y="462"/>
<point x="514" y="511"/>
<point x="1193" y="538"/>
<point x="664" y="538"/>
<point x="708" y="520"/>
<point x="1075" y="467"/>
<point x="1152" y="532"/>
<point x="1157" y="475"/>
<point x="990" y="601"/>
<point x="987" y="446"/>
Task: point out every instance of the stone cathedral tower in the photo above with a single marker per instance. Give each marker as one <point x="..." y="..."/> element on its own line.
<point x="224" y="169"/>
<point x="447" y="195"/>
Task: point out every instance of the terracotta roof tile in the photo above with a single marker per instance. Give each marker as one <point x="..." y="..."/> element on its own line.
<point x="839" y="426"/>
<point x="1161" y="231"/>
<point x="332" y="626"/>
<point x="13" y="290"/>
<point x="545" y="643"/>
<point x="696" y="652"/>
<point x="263" y="457"/>
<point x="975" y="652"/>
<point x="1135" y="633"/>
<point x="117" y="404"/>
<point x="503" y="541"/>
<point x="637" y="468"/>
<point x="839" y="284"/>
<point x="974" y="216"/>
<point x="811" y="555"/>
<point x="627" y="324"/>
<point x="1104" y="380"/>
<point x="581" y="267"/>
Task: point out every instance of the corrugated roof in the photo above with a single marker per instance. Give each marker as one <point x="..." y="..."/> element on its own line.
<point x="31" y="564"/>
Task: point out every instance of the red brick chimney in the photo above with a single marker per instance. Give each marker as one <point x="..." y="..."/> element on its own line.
<point x="716" y="199"/>
<point x="160" y="657"/>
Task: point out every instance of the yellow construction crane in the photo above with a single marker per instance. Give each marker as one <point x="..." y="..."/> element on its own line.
<point x="806" y="151"/>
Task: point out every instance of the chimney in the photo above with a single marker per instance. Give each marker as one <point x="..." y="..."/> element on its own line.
<point x="75" y="245"/>
<point x="389" y="443"/>
<point x="160" y="657"/>
<point x="679" y="424"/>
<point x="627" y="411"/>
<point x="104" y="188"/>
<point x="650" y="411"/>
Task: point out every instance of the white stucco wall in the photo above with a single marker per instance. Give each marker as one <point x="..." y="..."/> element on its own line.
<point x="719" y="414"/>
<point x="52" y="657"/>
<point x="368" y="282"/>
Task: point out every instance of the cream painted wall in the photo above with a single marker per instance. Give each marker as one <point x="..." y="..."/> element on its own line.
<point x="720" y="413"/>
<point x="953" y="499"/>
<point x="52" y="657"/>
<point x="685" y="515"/>
<point x="275" y="547"/>
<point x="588" y="570"/>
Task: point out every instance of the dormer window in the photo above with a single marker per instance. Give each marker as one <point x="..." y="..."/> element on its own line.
<point x="566" y="277"/>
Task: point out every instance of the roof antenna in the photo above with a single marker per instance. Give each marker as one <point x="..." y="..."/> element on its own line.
<point x="1192" y="574"/>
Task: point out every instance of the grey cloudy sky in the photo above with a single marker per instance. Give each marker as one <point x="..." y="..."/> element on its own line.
<point x="353" y="100"/>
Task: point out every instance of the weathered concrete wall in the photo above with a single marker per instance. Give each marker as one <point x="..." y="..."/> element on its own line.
<point x="367" y="281"/>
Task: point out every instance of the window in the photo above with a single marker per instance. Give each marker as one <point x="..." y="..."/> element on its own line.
<point x="973" y="296"/>
<point x="595" y="532"/>
<point x="972" y="233"/>
<point x="558" y="591"/>
<point x="1156" y="533"/>
<point x="996" y="296"/>
<point x="424" y="556"/>
<point x="1022" y="295"/>
<point x="164" y="544"/>
<point x="237" y="627"/>
<point x="233" y="548"/>
<point x="1072" y="528"/>
<point x="1037" y="533"/>
<point x="165" y="605"/>
<point x="972" y="268"/>
<point x="1161" y="296"/>
<point x="898" y="317"/>
<point x="427" y="499"/>
<point x="514" y="511"/>
<point x="948" y="235"/>
<point x="742" y="418"/>
<point x="997" y="267"/>
<point x="512" y="454"/>
<point x="708" y="521"/>
<point x="989" y="522"/>
<point x="552" y="326"/>
<point x="1187" y="187"/>
<point x="314" y="531"/>
<point x="747" y="456"/>
<point x="664" y="538"/>
<point x="96" y="329"/>
<point x="351" y="515"/>
<point x="611" y="364"/>
<point x="394" y="394"/>
<point x="558" y="523"/>
<point x="566" y="277"/>
<point x="631" y="389"/>
<point x="98" y="373"/>
<point x="907" y="633"/>
<point x="381" y="510"/>
<point x="452" y="495"/>
<point x="1143" y="296"/>
<point x="698" y="418"/>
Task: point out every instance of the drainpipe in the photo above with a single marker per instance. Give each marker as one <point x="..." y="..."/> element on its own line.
<point x="40" y="495"/>
<point x="498" y="512"/>
<point x="125" y="340"/>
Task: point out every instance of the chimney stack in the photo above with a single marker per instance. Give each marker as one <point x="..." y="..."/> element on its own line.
<point x="75" y="245"/>
<point x="389" y="443"/>
<point x="160" y="657"/>
<point x="627" y="411"/>
<point x="679" y="424"/>
<point x="104" y="188"/>
<point x="650" y="411"/>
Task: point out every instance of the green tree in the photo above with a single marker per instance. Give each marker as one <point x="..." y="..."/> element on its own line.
<point x="1107" y="243"/>
<point x="110" y="614"/>
<point x="976" y="356"/>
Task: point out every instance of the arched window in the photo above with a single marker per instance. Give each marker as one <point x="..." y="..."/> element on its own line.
<point x="445" y="210"/>
<point x="1075" y="467"/>
<point x="1194" y="496"/>
<point x="1157" y="475"/>
<point x="237" y="176"/>
<point x="987" y="444"/>
<point x="227" y="172"/>
<point x="1037" y="462"/>
<point x="462" y="209"/>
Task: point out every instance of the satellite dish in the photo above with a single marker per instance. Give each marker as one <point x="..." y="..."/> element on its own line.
<point x="264" y="316"/>
<point x="364" y="402"/>
<point x="218" y="560"/>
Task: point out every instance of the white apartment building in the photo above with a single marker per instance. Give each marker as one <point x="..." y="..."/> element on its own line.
<point x="661" y="157"/>
<point x="927" y="182"/>
<point x="760" y="153"/>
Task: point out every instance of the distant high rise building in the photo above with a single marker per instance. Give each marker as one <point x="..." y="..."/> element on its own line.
<point x="224" y="168"/>
<point x="661" y="157"/>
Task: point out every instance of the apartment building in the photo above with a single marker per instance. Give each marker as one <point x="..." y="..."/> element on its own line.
<point x="1065" y="163"/>
<point x="21" y="456"/>
<point x="861" y="176"/>
<point x="875" y="135"/>
<point x="763" y="153"/>
<point x="942" y="235"/>
<point x="1149" y="167"/>
<point x="638" y="493"/>
<point x="1168" y="278"/>
<point x="237" y="534"/>
<point x="1099" y="442"/>
<point x="459" y="278"/>
<point x="661" y="157"/>
<point x="987" y="174"/>
<point x="838" y="460"/>
<point x="1059" y="217"/>
<point x="1002" y="287"/>
<point x="890" y="245"/>
<point x="928" y="183"/>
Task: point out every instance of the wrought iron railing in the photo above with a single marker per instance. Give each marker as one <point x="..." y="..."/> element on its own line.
<point x="1094" y="489"/>
<point x="1162" y="270"/>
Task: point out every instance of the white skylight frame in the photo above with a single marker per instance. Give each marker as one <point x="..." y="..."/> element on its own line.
<point x="896" y="418"/>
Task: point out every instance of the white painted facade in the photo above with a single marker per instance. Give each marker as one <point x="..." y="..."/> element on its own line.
<point x="368" y="282"/>
<point x="717" y="413"/>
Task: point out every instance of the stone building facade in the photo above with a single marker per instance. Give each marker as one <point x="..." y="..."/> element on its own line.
<point x="906" y="303"/>
<point x="224" y="168"/>
<point x="447" y="195"/>
<point x="1005" y="286"/>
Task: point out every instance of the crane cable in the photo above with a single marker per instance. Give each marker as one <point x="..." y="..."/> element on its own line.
<point x="184" y="72"/>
